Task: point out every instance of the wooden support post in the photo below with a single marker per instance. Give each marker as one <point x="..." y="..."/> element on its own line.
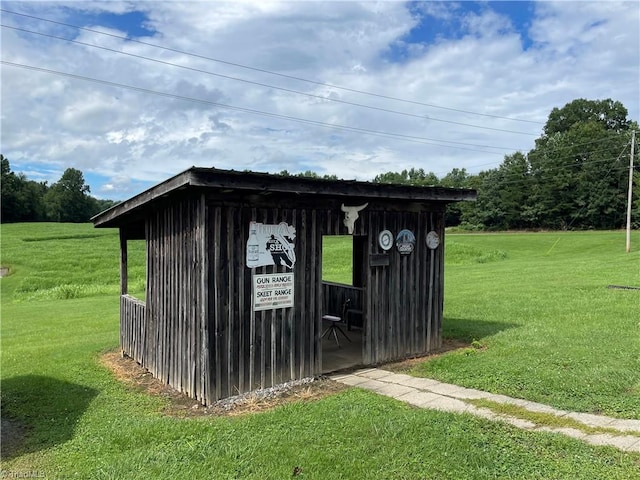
<point x="123" y="263"/>
<point x="630" y="196"/>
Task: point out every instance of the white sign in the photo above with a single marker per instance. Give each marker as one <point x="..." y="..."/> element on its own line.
<point x="272" y="290"/>
<point x="271" y="245"/>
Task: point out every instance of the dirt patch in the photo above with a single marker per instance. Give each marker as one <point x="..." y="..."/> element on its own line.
<point x="180" y="405"/>
<point x="4" y="272"/>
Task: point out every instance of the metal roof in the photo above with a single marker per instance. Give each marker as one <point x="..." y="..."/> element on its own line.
<point x="257" y="183"/>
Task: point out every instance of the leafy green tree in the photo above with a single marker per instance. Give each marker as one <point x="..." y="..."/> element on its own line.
<point x="22" y="199"/>
<point x="68" y="199"/>
<point x="456" y="212"/>
<point x="577" y="167"/>
<point x="513" y="191"/>
<point x="100" y="205"/>
<point x="9" y="187"/>
<point x="307" y="174"/>
<point x="408" y="177"/>
<point x="487" y="213"/>
<point x="612" y="115"/>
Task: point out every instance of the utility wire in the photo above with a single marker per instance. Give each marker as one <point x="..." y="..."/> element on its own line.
<point x="321" y="97"/>
<point x="555" y="167"/>
<point x="290" y="90"/>
<point x="422" y="140"/>
<point x="398" y="136"/>
<point x="270" y="72"/>
<point x="556" y="149"/>
<point x="575" y="217"/>
<point x="530" y="178"/>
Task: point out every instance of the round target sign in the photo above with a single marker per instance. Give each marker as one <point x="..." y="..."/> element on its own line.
<point x="385" y="240"/>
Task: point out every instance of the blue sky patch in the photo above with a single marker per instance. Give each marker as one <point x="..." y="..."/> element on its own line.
<point x="134" y="24"/>
<point x="448" y="23"/>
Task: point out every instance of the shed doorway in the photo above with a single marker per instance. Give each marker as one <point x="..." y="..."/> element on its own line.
<point x="343" y="295"/>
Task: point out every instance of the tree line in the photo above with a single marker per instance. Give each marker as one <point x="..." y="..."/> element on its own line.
<point x="66" y="200"/>
<point x="575" y="177"/>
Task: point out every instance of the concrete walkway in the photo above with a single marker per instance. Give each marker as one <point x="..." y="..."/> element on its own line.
<point x="427" y="393"/>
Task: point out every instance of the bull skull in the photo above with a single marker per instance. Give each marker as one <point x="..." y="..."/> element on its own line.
<point x="351" y="215"/>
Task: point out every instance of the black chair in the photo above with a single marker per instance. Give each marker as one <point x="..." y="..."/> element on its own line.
<point x="334" y="328"/>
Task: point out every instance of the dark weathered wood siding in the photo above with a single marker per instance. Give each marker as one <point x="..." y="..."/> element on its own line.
<point x="175" y="336"/>
<point x="403" y="308"/>
<point x="133" y="341"/>
<point x="251" y="350"/>
<point x="198" y="331"/>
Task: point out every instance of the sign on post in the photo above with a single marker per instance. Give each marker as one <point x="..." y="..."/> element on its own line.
<point x="272" y="290"/>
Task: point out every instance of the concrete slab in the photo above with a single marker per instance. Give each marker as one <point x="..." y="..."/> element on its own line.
<point x="446" y="389"/>
<point x="373" y="385"/>
<point x="484" y="413"/>
<point x="541" y="408"/>
<point x="394" y="390"/>
<point x="468" y="393"/>
<point x="624" y="442"/>
<point x="418" y="398"/>
<point x="634" y="447"/>
<point x="590" y="419"/>
<point x="352" y="380"/>
<point x="448" y="404"/>
<point x="494" y="397"/>
<point x="429" y="393"/>
<point x="625" y="425"/>
<point x="518" y="422"/>
<point x="402" y="378"/>
<point x="374" y="374"/>
<point x="420" y="383"/>
<point x="600" y="439"/>
<point x="569" y="432"/>
<point x="362" y="371"/>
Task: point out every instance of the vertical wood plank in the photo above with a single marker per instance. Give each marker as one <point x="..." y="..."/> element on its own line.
<point x="124" y="271"/>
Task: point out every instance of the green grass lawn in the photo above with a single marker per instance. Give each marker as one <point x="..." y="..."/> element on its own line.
<point x="552" y="331"/>
<point x="546" y="328"/>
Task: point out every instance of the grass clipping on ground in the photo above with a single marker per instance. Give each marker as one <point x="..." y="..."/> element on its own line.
<point x="129" y="372"/>
<point x="132" y="374"/>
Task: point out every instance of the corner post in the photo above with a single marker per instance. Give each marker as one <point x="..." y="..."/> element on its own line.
<point x="123" y="263"/>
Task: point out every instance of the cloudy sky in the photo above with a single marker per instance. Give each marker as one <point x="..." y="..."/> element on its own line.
<point x="131" y="93"/>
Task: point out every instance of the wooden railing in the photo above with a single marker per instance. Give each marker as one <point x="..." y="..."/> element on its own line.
<point x="335" y="294"/>
<point x="132" y="327"/>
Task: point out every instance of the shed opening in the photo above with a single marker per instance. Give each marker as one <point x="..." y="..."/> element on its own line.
<point x="133" y="268"/>
<point x="343" y="295"/>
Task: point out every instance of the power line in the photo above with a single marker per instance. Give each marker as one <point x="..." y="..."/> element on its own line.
<point x="270" y="72"/>
<point x="335" y="100"/>
<point x="398" y="136"/>
<point x="530" y="178"/>
<point x="558" y="148"/>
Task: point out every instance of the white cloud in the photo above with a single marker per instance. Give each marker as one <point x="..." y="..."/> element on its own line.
<point x="56" y="122"/>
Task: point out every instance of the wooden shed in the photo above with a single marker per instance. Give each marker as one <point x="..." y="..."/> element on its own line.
<point x="234" y="290"/>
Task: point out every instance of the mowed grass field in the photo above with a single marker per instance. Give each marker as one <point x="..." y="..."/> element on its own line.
<point x="543" y="323"/>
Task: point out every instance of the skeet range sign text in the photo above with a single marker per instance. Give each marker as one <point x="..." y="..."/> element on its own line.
<point x="273" y="290"/>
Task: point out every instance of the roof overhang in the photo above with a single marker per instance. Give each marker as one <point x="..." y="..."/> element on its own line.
<point x="256" y="183"/>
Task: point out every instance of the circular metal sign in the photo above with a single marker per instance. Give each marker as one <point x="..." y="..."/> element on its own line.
<point x="433" y="240"/>
<point x="405" y="242"/>
<point x="385" y="240"/>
